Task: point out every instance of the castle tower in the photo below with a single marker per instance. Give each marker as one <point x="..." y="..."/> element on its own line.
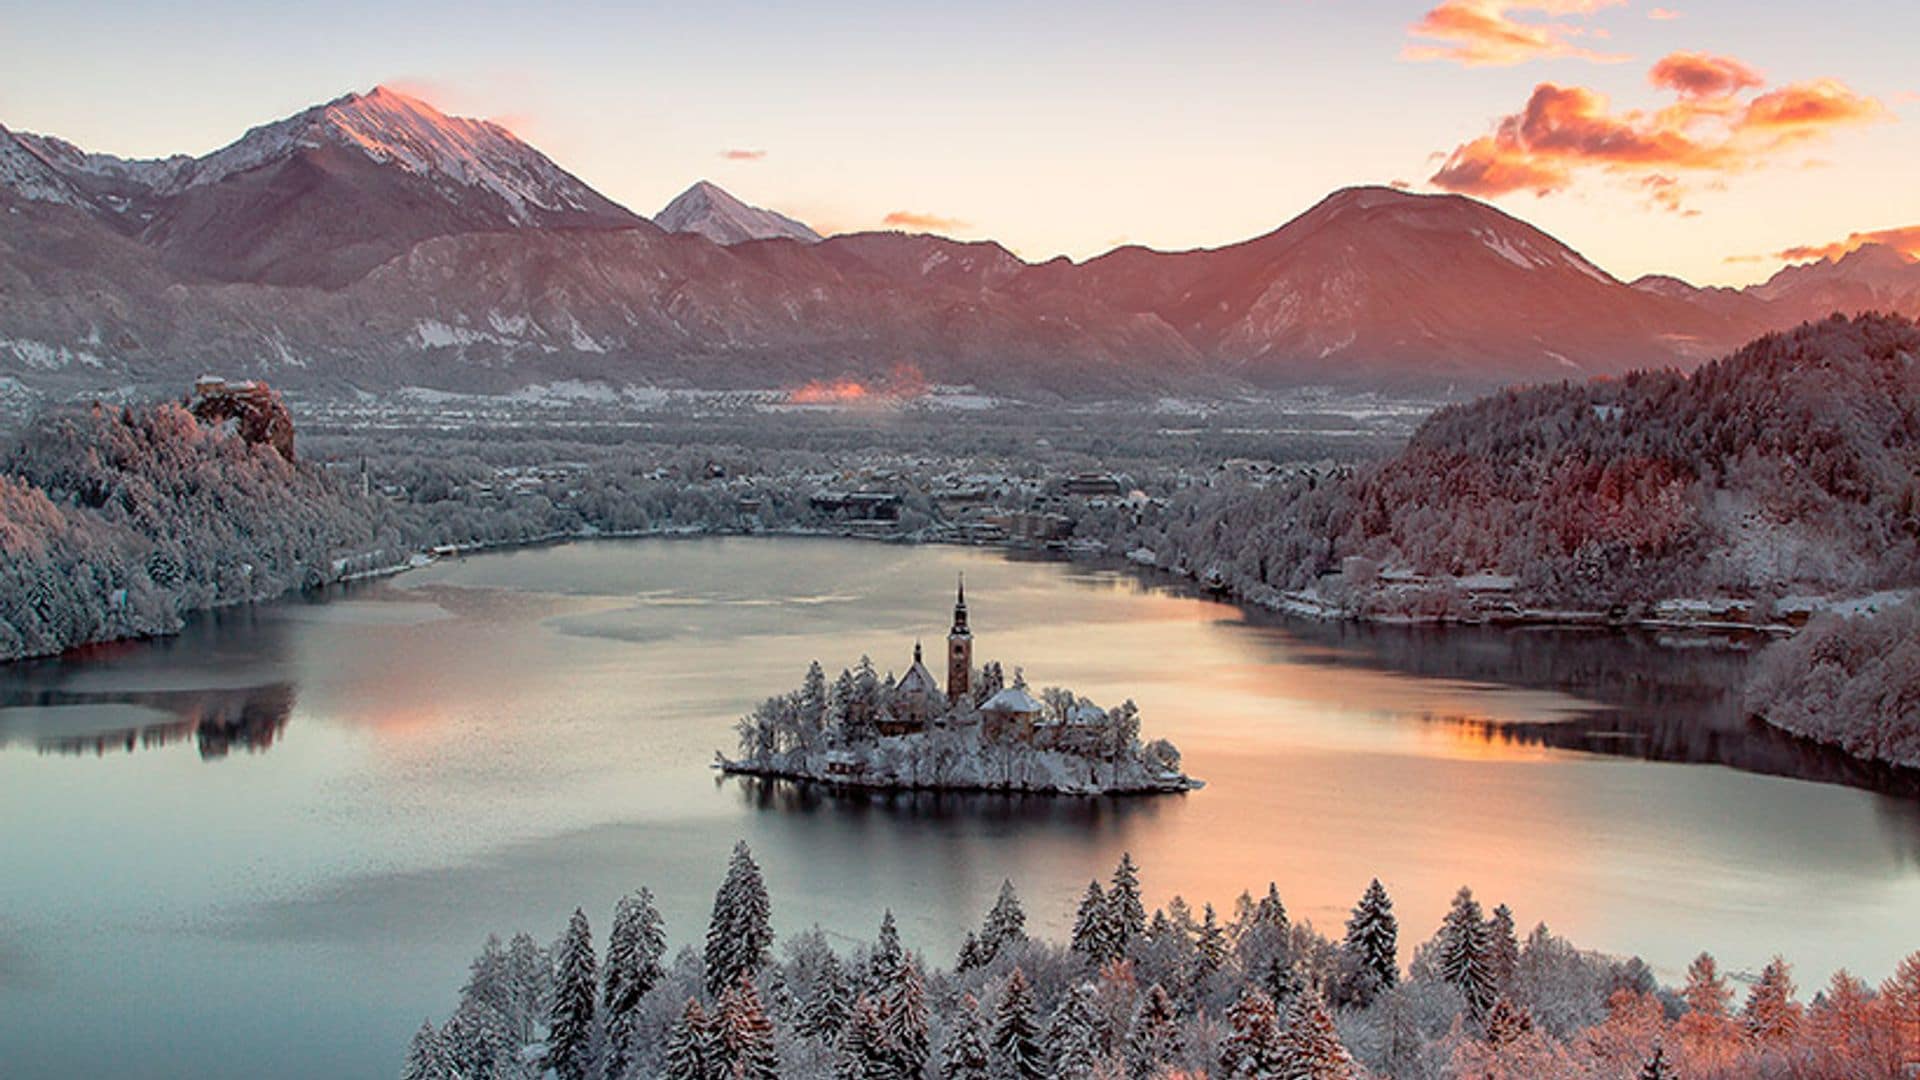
<point x="960" y="650"/>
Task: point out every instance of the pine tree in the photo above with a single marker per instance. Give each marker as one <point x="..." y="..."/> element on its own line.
<point x="475" y="1043"/>
<point x="1253" y="1050"/>
<point x="904" y="1012"/>
<point x="570" y="1023"/>
<point x="1771" y="1015"/>
<point x="965" y="1056"/>
<point x="1153" y="1039"/>
<point x="863" y="1045"/>
<point x="426" y="1056"/>
<point x="1507" y="1022"/>
<point x="1127" y="916"/>
<point x="692" y="1050"/>
<point x="1900" y="998"/>
<point x="741" y="932"/>
<point x="1006" y="924"/>
<point x="1466" y="958"/>
<point x="1270" y="912"/>
<point x="1092" y="936"/>
<point x="1210" y="946"/>
<point x="1310" y="1048"/>
<point x="888" y="958"/>
<point x="1371" y="948"/>
<point x="1074" y="1035"/>
<point x="1503" y="946"/>
<point x="971" y="952"/>
<point x="824" y="1010"/>
<point x="633" y="968"/>
<point x="746" y="1035"/>
<point x="813" y="703"/>
<point x="1657" y="1067"/>
<point x="1706" y="992"/>
<point x="1016" y="1039"/>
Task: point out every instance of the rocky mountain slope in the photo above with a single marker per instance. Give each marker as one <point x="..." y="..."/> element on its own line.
<point x="373" y="242"/>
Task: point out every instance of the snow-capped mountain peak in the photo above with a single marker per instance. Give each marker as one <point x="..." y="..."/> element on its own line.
<point x="708" y="209"/>
<point x="394" y="128"/>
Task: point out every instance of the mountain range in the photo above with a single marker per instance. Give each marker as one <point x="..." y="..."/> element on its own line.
<point x="373" y="243"/>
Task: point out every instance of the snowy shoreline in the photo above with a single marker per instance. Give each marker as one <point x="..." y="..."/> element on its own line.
<point x="1168" y="786"/>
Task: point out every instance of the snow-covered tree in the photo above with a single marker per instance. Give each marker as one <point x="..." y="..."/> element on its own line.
<point x="887" y="960"/>
<point x="570" y="1022"/>
<point x="426" y="1056"/>
<point x="1075" y="1036"/>
<point x="740" y="934"/>
<point x="1127" y="917"/>
<point x="965" y="1055"/>
<point x="1771" y="1015"/>
<point x="827" y="1002"/>
<point x="1310" y="1047"/>
<point x="1370" y="951"/>
<point x="1466" y="954"/>
<point x="634" y="949"/>
<point x="1006" y="924"/>
<point x="1154" y="1039"/>
<point x="1016" y="1037"/>
<point x="693" y="1049"/>
<point x="1093" y="935"/>
<point x="1503" y="946"/>
<point x="1254" y="1050"/>
<point x="746" y="1035"/>
<point x="904" y="1022"/>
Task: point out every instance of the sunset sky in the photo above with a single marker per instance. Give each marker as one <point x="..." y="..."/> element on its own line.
<point x="1697" y="137"/>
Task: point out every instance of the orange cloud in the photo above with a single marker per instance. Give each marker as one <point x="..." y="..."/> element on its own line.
<point x="1905" y="240"/>
<point x="744" y="155"/>
<point x="1485" y="33"/>
<point x="910" y="219"/>
<point x="1564" y="131"/>
<point x="1703" y="75"/>
<point x="1661" y="14"/>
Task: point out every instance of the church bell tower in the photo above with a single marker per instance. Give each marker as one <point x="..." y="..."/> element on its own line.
<point x="960" y="650"/>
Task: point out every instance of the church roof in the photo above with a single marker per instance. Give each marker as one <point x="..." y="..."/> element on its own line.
<point x="917" y="678"/>
<point x="1011" y="700"/>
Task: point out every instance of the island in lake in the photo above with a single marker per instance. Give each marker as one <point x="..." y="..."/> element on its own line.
<point x="979" y="733"/>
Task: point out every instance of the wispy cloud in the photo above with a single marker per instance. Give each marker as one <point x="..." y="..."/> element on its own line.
<point x="744" y="155"/>
<point x="1491" y="33"/>
<point x="1905" y="240"/>
<point x="1661" y="14"/>
<point x="913" y="219"/>
<point x="1716" y="127"/>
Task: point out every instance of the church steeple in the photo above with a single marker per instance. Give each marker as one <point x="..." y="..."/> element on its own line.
<point x="960" y="649"/>
<point x="960" y="608"/>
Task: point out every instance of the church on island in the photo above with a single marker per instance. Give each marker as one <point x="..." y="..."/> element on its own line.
<point x="974" y="732"/>
<point x="917" y="701"/>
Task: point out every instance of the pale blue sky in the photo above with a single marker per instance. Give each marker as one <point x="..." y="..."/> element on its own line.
<point x="1064" y="129"/>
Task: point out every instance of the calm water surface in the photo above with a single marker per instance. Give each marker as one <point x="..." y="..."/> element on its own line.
<point x="270" y="846"/>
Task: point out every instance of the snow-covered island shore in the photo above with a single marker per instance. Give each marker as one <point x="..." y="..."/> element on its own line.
<point x="978" y="734"/>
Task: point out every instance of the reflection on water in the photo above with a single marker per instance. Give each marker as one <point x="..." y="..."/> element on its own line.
<point x="1664" y="700"/>
<point x="1087" y="816"/>
<point x="217" y="721"/>
<point x="483" y="745"/>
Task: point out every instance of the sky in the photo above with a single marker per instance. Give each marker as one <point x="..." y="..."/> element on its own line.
<point x="1712" y="139"/>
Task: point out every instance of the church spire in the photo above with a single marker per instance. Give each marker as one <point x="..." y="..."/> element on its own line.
<point x="960" y="649"/>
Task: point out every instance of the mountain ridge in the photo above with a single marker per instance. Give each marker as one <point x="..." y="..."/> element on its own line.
<point x="373" y="241"/>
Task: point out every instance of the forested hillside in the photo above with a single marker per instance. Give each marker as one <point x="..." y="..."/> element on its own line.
<point x="1790" y="466"/>
<point x="115" y="522"/>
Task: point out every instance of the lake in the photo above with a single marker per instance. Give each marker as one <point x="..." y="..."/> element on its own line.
<point x="269" y="846"/>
